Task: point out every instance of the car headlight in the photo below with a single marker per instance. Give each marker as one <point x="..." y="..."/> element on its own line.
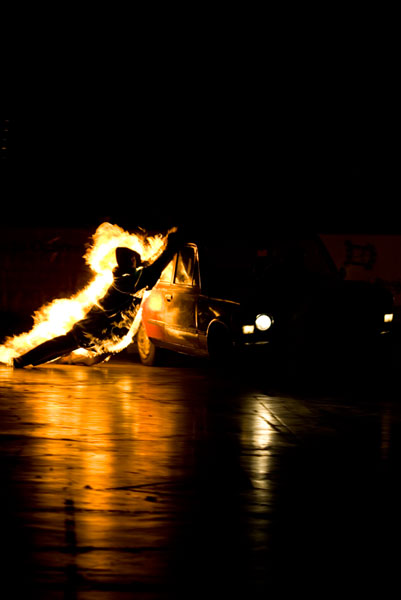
<point x="263" y="322"/>
<point x="388" y="317"/>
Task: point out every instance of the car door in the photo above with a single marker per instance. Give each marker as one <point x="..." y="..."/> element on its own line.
<point x="180" y="316"/>
<point x="154" y="304"/>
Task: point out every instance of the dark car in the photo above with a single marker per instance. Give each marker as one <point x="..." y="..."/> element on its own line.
<point x="281" y="294"/>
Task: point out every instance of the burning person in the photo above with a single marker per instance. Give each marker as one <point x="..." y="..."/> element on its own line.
<point x="113" y="315"/>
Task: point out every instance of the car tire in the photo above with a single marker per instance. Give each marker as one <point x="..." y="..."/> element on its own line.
<point x="148" y="353"/>
<point x="220" y="345"/>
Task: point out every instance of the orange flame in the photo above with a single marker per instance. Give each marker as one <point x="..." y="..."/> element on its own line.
<point x="60" y="315"/>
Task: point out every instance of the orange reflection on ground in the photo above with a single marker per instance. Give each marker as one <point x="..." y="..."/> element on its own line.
<point x="107" y="435"/>
<point x="102" y="442"/>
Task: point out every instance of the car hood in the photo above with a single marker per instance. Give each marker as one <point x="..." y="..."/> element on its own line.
<point x="320" y="300"/>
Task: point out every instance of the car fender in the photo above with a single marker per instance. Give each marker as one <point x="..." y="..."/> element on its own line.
<point x="217" y="323"/>
<point x="220" y="342"/>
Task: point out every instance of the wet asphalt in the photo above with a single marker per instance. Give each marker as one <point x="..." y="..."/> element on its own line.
<point x="121" y="481"/>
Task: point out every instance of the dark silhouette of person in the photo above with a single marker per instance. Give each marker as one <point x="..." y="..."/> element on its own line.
<point x="113" y="315"/>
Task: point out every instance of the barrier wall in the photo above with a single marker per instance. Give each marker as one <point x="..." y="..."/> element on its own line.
<point x="374" y="258"/>
<point x="37" y="266"/>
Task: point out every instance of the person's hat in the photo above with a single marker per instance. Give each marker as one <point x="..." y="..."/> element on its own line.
<point x="124" y="257"/>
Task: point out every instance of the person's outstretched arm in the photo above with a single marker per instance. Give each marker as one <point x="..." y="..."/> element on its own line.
<point x="151" y="274"/>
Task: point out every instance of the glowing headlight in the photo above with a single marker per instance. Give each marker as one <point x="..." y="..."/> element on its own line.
<point x="263" y="322"/>
<point x="388" y="318"/>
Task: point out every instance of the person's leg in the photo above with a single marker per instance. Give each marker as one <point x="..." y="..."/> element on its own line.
<point x="50" y="350"/>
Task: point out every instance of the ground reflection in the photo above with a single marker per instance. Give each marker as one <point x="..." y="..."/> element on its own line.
<point x="104" y="427"/>
<point x="256" y="437"/>
<point x="134" y="482"/>
<point x="103" y="444"/>
<point x="134" y="474"/>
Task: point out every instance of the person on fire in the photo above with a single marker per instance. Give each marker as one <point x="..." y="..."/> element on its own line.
<point x="113" y="315"/>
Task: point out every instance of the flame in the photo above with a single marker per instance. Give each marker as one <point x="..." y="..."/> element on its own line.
<point x="57" y="317"/>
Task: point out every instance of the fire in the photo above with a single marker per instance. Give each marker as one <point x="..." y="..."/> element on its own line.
<point x="60" y="315"/>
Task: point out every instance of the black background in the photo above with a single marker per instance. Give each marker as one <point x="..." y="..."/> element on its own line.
<point x="241" y="148"/>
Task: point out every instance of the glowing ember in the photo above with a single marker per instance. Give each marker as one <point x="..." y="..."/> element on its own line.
<point x="59" y="316"/>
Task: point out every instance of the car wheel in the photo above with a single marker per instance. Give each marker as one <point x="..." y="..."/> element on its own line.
<point x="146" y="348"/>
<point x="220" y="345"/>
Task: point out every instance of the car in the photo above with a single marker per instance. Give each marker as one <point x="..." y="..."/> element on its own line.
<point x="278" y="294"/>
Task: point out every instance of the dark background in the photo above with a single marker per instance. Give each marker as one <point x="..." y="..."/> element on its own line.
<point x="322" y="158"/>
<point x="286" y="121"/>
